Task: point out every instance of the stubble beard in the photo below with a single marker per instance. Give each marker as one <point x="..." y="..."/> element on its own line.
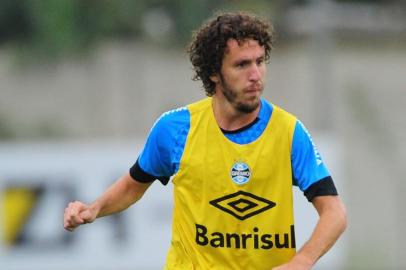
<point x="231" y="95"/>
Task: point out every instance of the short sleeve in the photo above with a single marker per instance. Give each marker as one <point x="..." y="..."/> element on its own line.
<point x="307" y="164"/>
<point x="164" y="146"/>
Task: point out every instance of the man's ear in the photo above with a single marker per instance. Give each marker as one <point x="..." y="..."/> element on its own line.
<point x="214" y="78"/>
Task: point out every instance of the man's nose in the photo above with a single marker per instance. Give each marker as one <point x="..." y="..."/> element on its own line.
<point x="255" y="73"/>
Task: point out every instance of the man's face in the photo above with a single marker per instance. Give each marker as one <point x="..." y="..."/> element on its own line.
<point x="241" y="79"/>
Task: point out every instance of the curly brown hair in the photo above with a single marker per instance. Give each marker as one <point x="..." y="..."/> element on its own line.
<point x="208" y="44"/>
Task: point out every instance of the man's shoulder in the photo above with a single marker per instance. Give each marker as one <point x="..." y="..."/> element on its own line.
<point x="279" y="110"/>
<point x="172" y="118"/>
<point x="180" y="117"/>
<point x="174" y="114"/>
<point x="200" y="105"/>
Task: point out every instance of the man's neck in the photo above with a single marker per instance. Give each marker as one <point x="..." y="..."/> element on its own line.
<point x="229" y="118"/>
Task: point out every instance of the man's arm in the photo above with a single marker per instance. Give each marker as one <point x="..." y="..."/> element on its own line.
<point x="332" y="223"/>
<point x="118" y="197"/>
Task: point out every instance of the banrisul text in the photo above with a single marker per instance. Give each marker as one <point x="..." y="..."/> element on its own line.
<point x="253" y="240"/>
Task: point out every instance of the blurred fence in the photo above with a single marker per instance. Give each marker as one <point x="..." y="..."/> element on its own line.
<point x="38" y="180"/>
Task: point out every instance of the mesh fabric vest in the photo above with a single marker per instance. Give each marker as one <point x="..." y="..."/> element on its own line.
<point x="233" y="204"/>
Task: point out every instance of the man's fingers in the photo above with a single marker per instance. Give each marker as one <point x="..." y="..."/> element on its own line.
<point x="69" y="228"/>
<point x="73" y="211"/>
<point x="72" y="217"/>
<point x="86" y="216"/>
<point x="75" y="217"/>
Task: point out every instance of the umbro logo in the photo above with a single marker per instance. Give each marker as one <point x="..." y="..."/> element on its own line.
<point x="242" y="205"/>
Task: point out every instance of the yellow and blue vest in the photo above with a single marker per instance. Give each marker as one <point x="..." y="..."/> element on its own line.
<point x="233" y="205"/>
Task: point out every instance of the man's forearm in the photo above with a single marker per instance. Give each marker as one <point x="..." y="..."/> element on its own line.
<point x="119" y="196"/>
<point x="331" y="225"/>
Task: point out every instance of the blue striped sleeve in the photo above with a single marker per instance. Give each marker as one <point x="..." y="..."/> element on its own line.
<point x="164" y="146"/>
<point x="307" y="164"/>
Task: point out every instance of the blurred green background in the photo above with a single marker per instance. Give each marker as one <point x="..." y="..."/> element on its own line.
<point x="89" y="71"/>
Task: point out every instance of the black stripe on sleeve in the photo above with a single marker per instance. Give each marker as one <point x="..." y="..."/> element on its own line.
<point x="322" y="187"/>
<point x="139" y="175"/>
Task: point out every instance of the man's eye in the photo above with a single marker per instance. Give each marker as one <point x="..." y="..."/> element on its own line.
<point x="242" y="64"/>
<point x="260" y="61"/>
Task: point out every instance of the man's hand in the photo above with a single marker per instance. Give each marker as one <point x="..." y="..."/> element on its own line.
<point x="78" y="213"/>
<point x="119" y="196"/>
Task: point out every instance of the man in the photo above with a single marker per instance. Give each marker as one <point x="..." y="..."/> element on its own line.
<point x="234" y="158"/>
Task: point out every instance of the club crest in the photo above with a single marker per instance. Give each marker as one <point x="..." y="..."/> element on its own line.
<point x="240" y="173"/>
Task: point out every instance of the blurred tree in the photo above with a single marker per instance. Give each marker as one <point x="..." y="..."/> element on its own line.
<point x="14" y="24"/>
<point x="53" y="26"/>
<point x="50" y="29"/>
<point x="365" y="1"/>
<point x="188" y="15"/>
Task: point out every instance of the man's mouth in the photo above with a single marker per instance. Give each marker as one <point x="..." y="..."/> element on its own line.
<point x="255" y="87"/>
